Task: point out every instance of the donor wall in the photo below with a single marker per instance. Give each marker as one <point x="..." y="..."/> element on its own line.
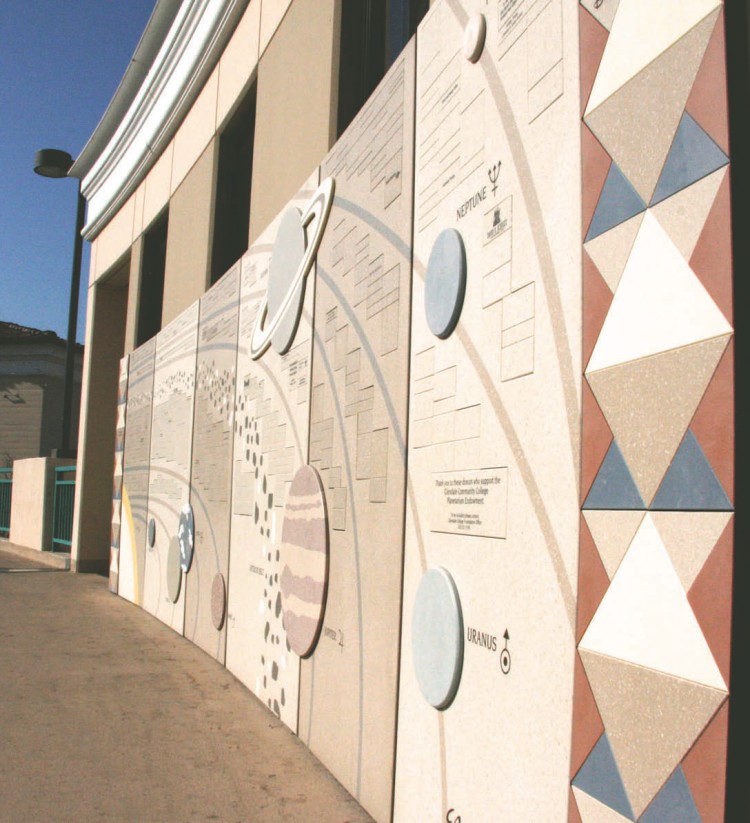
<point x="442" y="468"/>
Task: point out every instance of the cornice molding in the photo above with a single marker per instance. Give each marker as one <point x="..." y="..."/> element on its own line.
<point x="191" y="48"/>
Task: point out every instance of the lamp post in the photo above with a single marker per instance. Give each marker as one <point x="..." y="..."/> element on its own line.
<point x="56" y="163"/>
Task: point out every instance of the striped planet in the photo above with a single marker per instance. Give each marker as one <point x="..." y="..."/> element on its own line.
<point x="304" y="561"/>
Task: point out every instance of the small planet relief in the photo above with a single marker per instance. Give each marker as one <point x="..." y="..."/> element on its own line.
<point x="174" y="570"/>
<point x="445" y="283"/>
<point x="304" y="561"/>
<point x="218" y="601"/>
<point x="438" y="638"/>
<point x="474" y="35"/>
<point x="186" y="537"/>
<point x="151" y="533"/>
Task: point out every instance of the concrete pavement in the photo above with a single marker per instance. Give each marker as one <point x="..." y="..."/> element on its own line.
<point x="108" y="715"/>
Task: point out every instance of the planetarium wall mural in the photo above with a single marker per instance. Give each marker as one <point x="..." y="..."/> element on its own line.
<point x="442" y="468"/>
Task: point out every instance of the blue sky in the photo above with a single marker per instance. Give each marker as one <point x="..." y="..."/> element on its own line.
<point x="60" y="63"/>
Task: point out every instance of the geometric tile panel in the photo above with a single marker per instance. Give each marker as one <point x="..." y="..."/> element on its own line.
<point x="705" y="768"/>
<point x="651" y="718"/>
<point x="600" y="778"/>
<point x="593" y="811"/>
<point x="595" y="163"/>
<point x="690" y="484"/>
<point x="610" y="251"/>
<point x="693" y="156"/>
<point x="642" y="86"/>
<point x="603" y="12"/>
<point x="596" y="302"/>
<point x="645" y="618"/>
<point x="587" y="724"/>
<point x="659" y="305"/>
<point x="595" y="439"/>
<point x="648" y="404"/>
<point x="673" y="804"/>
<point x="592" y="581"/>
<point x="593" y="40"/>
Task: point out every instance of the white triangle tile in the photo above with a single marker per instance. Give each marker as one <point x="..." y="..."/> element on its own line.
<point x="592" y="811"/>
<point x="659" y="304"/>
<point x="641" y="31"/>
<point x="645" y="618"/>
<point x="689" y="538"/>
<point x="603" y="12"/>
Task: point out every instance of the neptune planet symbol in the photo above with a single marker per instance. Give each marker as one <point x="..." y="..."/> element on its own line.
<point x="297" y="242"/>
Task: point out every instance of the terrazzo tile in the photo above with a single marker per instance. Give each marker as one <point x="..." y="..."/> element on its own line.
<point x="659" y="305"/>
<point x="593" y="38"/>
<point x="710" y="597"/>
<point x="692" y="156"/>
<point x="587" y="723"/>
<point x="637" y="123"/>
<point x="705" y="768"/>
<point x="645" y="618"/>
<point x="712" y="257"/>
<point x="574" y="816"/>
<point x="610" y="251"/>
<point x="690" y="484"/>
<point x="618" y="202"/>
<point x="592" y="811"/>
<point x="689" y="538"/>
<point x="595" y="163"/>
<point x="683" y="215"/>
<point x="708" y="98"/>
<point x="597" y="298"/>
<point x="673" y="804"/>
<point x="604" y="12"/>
<point x="592" y="581"/>
<point x="595" y="439"/>
<point x="613" y="532"/>
<point x="600" y="778"/>
<point x="651" y="720"/>
<point x="648" y="404"/>
<point x="713" y="422"/>
<point x="613" y="487"/>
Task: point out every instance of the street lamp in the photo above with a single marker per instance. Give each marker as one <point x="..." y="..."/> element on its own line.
<point x="56" y="163"/>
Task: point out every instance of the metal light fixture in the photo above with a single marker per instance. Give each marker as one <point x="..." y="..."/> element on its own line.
<point x="57" y="163"/>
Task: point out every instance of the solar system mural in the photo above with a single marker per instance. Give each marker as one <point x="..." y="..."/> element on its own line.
<point x="442" y="468"/>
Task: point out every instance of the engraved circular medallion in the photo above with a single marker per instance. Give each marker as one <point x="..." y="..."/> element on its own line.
<point x="151" y="533"/>
<point x="304" y="561"/>
<point x="186" y="537"/>
<point x="474" y="34"/>
<point x="218" y="601"/>
<point x="445" y="283"/>
<point x="174" y="570"/>
<point x="438" y="638"/>
<point x="286" y="258"/>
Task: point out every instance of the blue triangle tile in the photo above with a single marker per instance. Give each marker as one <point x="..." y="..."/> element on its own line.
<point x="693" y="156"/>
<point x="673" y="804"/>
<point x="618" y="202"/>
<point x="614" y="487"/>
<point x="600" y="778"/>
<point x="691" y="484"/>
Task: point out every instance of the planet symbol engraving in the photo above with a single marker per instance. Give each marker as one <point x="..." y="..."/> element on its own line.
<point x="296" y="245"/>
<point x="304" y="561"/>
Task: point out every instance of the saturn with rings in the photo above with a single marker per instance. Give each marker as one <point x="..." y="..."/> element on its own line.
<point x="291" y="261"/>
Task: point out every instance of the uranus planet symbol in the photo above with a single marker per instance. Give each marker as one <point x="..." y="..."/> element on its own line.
<point x="297" y="243"/>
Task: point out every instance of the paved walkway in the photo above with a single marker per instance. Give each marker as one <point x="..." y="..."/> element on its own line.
<point x="108" y="715"/>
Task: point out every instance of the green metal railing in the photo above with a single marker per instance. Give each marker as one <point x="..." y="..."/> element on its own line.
<point x="62" y="517"/>
<point x="6" y="490"/>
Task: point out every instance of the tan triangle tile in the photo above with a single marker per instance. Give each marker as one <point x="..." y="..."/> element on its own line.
<point x="613" y="532"/>
<point x="648" y="404"/>
<point x="689" y="538"/>
<point x="592" y="811"/>
<point x="684" y="214"/>
<point x="610" y="251"/>
<point x="636" y="124"/>
<point x="652" y="720"/>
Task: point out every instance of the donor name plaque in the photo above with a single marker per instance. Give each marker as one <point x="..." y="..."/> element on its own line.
<point x="470" y="502"/>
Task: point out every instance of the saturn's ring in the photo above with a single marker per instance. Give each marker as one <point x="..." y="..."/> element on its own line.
<point x="316" y="213"/>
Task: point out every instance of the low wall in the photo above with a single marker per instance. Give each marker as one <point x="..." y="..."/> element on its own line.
<point x="32" y="506"/>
